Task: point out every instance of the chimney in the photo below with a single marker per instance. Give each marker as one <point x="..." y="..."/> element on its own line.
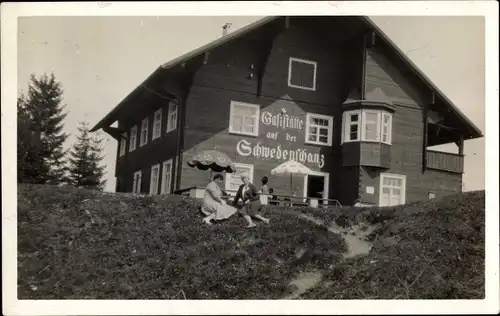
<point x="225" y="28"/>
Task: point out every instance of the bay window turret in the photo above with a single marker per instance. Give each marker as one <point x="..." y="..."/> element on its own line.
<point x="367" y="128"/>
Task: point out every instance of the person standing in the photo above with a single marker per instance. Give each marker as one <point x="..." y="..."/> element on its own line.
<point x="250" y="196"/>
<point x="264" y="191"/>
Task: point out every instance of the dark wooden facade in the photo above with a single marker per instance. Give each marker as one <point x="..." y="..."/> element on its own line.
<point x="357" y="69"/>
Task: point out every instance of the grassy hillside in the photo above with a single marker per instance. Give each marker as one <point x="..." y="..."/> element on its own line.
<point x="76" y="243"/>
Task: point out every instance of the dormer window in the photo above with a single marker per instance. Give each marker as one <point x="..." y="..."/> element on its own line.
<point x="367" y="126"/>
<point x="302" y="74"/>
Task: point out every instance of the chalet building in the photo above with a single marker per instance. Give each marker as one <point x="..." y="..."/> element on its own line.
<point x="334" y="93"/>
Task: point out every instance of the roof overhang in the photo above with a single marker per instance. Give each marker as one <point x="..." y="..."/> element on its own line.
<point x="472" y="130"/>
<point x="111" y="117"/>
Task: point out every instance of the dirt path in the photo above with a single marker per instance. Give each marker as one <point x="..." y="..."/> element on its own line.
<point x="357" y="245"/>
<point x="304" y="282"/>
<point x="355" y="236"/>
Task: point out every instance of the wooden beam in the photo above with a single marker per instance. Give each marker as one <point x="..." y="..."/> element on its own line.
<point x="460" y="144"/>
<point x="115" y="132"/>
<point x="446" y="127"/>
<point x="426" y="138"/>
<point x="363" y="69"/>
<point x="181" y="124"/>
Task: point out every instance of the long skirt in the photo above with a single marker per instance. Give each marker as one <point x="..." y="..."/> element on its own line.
<point x="221" y="211"/>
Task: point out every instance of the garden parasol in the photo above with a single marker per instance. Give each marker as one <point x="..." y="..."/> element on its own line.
<point x="212" y="160"/>
<point x="290" y="167"/>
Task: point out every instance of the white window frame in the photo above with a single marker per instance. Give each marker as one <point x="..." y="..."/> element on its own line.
<point x="304" y="61"/>
<point x="364" y="123"/>
<point x="157" y="118"/>
<point x="346" y="126"/>
<point x="402" y="188"/>
<point x="389" y="128"/>
<point x="153" y="187"/>
<point x="144" y="131"/>
<point x="229" y="176"/>
<point x="361" y="136"/>
<point x="137" y="185"/>
<point x="133" y="138"/>
<point x="166" y="185"/>
<point x="257" y="118"/>
<point x="173" y="110"/>
<point x="123" y="145"/>
<point x="330" y="129"/>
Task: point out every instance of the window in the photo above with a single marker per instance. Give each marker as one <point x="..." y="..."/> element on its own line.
<point x="371" y="126"/>
<point x="386" y="128"/>
<point x="319" y="129"/>
<point x="244" y="118"/>
<point x="302" y="74"/>
<point x="166" y="178"/>
<point x="367" y="126"/>
<point x="144" y="132"/>
<point x="351" y="126"/>
<point x="155" y="179"/>
<point x="392" y="189"/>
<point x="172" y="116"/>
<point x="233" y="180"/>
<point x="157" y="125"/>
<point x="133" y="138"/>
<point x="432" y="195"/>
<point x="136" y="186"/>
<point x="123" y="144"/>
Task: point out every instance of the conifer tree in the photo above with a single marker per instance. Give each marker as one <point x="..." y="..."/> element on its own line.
<point x="85" y="168"/>
<point x="40" y="132"/>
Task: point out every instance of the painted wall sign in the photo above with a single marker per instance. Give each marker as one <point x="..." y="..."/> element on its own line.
<point x="282" y="120"/>
<point x="245" y="148"/>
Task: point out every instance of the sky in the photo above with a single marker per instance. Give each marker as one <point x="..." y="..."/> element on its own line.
<point x="99" y="60"/>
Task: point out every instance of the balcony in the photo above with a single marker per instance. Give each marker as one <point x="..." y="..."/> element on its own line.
<point x="443" y="161"/>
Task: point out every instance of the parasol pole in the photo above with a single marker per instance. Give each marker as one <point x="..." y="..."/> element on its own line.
<point x="291" y="190"/>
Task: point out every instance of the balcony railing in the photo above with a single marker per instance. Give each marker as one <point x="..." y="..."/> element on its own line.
<point x="450" y="162"/>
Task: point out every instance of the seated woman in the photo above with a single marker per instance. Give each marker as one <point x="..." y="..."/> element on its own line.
<point x="249" y="195"/>
<point x="213" y="205"/>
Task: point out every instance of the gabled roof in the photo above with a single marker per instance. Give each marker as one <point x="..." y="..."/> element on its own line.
<point x="475" y="132"/>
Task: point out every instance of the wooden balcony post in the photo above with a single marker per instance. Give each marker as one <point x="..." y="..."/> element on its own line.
<point x="461" y="146"/>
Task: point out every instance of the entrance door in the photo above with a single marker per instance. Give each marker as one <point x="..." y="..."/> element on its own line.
<point x="315" y="186"/>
